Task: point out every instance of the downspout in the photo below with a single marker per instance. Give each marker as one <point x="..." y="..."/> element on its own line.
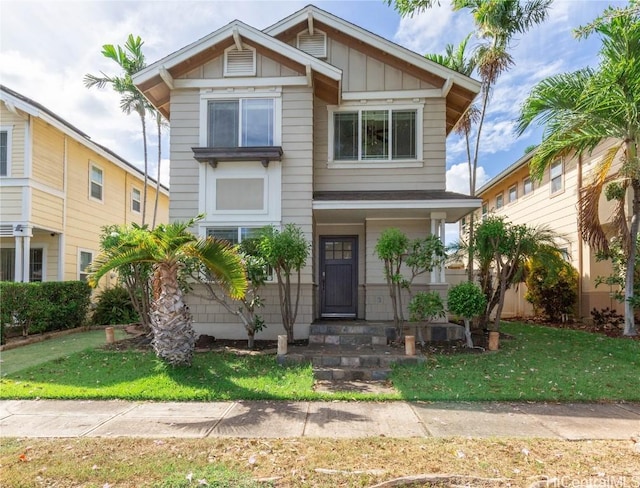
<point x="62" y="236"/>
<point x="580" y="250"/>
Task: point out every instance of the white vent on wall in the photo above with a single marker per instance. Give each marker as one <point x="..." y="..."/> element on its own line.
<point x="314" y="44"/>
<point x="240" y="63"/>
<point x="6" y="230"/>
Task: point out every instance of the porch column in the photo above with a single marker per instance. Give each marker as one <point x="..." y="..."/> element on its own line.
<point x="434" y="274"/>
<point x="26" y="258"/>
<point x="437" y="229"/>
<point x="443" y="278"/>
<point x="17" y="260"/>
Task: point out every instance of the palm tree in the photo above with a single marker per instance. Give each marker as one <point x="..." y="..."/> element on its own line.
<point x="170" y="248"/>
<point x="160" y="123"/>
<point x="131" y="60"/>
<point x="497" y="23"/>
<point x="582" y="109"/>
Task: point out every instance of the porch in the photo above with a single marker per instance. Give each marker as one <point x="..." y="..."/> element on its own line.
<point x="343" y="350"/>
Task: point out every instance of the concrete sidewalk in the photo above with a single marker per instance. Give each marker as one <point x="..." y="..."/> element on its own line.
<point x="51" y="418"/>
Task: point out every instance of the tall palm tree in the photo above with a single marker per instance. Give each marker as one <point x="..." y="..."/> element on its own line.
<point x="582" y="109"/>
<point x="160" y="123"/>
<point x="169" y="248"/>
<point x="497" y="23"/>
<point x="131" y="60"/>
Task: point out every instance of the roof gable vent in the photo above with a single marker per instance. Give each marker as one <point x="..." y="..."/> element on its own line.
<point x="240" y="63"/>
<point x="314" y="44"/>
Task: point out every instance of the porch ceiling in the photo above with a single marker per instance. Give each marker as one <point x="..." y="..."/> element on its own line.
<point x="357" y="206"/>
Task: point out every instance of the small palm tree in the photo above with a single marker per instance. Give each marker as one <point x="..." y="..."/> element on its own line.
<point x="168" y="248"/>
<point x="131" y="60"/>
<point x="580" y="110"/>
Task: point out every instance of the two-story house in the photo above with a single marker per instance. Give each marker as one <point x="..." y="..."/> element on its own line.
<point x="318" y="122"/>
<point x="58" y="189"/>
<point x="552" y="203"/>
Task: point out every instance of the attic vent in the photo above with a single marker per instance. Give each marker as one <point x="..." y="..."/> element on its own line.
<point x="314" y="44"/>
<point x="240" y="63"/>
<point x="6" y="230"/>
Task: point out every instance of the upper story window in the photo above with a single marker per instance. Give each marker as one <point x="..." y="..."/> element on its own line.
<point x="240" y="62"/>
<point x="485" y="211"/>
<point x="314" y="44"/>
<point x="135" y="200"/>
<point x="85" y="258"/>
<point x="499" y="201"/>
<point x="463" y="225"/>
<point x="513" y="193"/>
<point x="247" y="122"/>
<point x="375" y="135"/>
<point x="527" y="186"/>
<point x="5" y="151"/>
<point x="555" y="176"/>
<point x="96" y="183"/>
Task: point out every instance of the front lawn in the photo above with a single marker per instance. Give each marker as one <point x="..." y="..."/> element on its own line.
<point x="535" y="364"/>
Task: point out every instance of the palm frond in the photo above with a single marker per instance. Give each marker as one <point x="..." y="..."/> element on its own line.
<point x="223" y="261"/>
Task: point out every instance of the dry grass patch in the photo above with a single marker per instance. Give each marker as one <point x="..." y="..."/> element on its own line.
<point x="311" y="462"/>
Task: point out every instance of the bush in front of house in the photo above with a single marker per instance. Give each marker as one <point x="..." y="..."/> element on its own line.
<point x="42" y="307"/>
<point x="114" y="307"/>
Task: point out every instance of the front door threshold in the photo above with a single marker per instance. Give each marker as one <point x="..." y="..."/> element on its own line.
<point x="338" y="315"/>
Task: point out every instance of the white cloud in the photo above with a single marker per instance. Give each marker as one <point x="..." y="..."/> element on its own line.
<point x="458" y="178"/>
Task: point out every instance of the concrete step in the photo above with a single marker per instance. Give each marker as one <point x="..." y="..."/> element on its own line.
<point x="354" y="374"/>
<point x="352" y="329"/>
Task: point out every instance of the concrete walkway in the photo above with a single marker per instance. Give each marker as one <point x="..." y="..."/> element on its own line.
<point x="52" y="418"/>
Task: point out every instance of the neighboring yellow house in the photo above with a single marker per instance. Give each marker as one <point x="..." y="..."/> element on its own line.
<point x="551" y="203"/>
<point x="57" y="190"/>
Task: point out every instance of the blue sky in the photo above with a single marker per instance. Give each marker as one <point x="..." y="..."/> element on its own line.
<point x="46" y="47"/>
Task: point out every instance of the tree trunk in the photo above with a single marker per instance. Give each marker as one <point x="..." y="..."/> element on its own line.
<point x="173" y="335"/>
<point x="146" y="167"/>
<point x="629" y="319"/>
<point x="155" y="205"/>
<point x="467" y="332"/>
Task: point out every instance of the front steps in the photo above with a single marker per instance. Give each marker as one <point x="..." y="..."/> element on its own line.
<point x="350" y="351"/>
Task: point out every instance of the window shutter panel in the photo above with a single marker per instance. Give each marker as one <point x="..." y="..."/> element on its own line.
<point x="315" y="45"/>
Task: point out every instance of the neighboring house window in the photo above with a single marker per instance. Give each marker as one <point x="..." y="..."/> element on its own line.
<point x="375" y="135"/>
<point x="463" y="225"/>
<point x="499" y="201"/>
<point x="513" y="193"/>
<point x="7" y="264"/>
<point x="485" y="211"/>
<point x="240" y="63"/>
<point x="96" y="183"/>
<point x="555" y="176"/>
<point x="315" y="44"/>
<point x="84" y="261"/>
<point x="5" y="151"/>
<point x="135" y="200"/>
<point x="564" y="252"/>
<point x="246" y="122"/>
<point x="527" y="186"/>
<point x="36" y="264"/>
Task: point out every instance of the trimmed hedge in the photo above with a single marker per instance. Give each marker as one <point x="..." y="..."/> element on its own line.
<point x="43" y="307"/>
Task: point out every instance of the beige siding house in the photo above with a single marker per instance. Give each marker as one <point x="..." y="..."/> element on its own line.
<point x="57" y="190"/>
<point x="318" y="122"/>
<point x="553" y="203"/>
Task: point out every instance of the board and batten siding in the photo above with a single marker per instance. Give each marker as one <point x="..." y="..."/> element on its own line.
<point x="18" y="130"/>
<point x="265" y="67"/>
<point x="430" y="176"/>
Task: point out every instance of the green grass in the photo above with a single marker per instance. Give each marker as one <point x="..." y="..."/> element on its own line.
<point x="537" y="364"/>
<point x="40" y="352"/>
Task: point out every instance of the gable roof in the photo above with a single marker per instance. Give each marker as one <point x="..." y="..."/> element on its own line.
<point x="14" y="100"/>
<point x="460" y="89"/>
<point x="156" y="79"/>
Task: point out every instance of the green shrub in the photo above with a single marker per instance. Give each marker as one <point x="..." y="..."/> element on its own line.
<point x="114" y="307"/>
<point x="426" y="306"/>
<point x="466" y="300"/>
<point x="552" y="285"/>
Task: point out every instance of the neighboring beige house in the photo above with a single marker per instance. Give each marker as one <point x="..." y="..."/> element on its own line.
<point x="551" y="203"/>
<point x="58" y="188"/>
<point x="318" y="122"/>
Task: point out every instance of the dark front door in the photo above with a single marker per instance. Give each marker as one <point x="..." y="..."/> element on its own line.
<point x="339" y="276"/>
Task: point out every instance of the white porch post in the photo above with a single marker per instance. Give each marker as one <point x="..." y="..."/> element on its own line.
<point x="437" y="229"/>
<point x="17" y="260"/>
<point x="443" y="278"/>
<point x="434" y="274"/>
<point x="26" y="255"/>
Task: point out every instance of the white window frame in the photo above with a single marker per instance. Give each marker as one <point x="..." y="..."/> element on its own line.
<point x="239" y="74"/>
<point x="499" y="200"/>
<point x="557" y="163"/>
<point x="512" y="194"/>
<point x="44" y="249"/>
<point x="274" y="93"/>
<point x="404" y="105"/>
<point x="133" y="199"/>
<point x="93" y="165"/>
<point x="80" y="271"/>
<point x="524" y="186"/>
<point x="9" y="130"/>
<point x="208" y="231"/>
<point x="484" y="210"/>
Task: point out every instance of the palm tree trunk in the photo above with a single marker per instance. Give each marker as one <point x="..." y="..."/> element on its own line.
<point x="629" y="319"/>
<point x="173" y="334"/>
<point x="146" y="167"/>
<point x="155" y="205"/>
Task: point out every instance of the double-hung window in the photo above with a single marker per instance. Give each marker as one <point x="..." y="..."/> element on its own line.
<point x="84" y="262"/>
<point x="5" y="151"/>
<point x="513" y="193"/>
<point x="527" y="186"/>
<point x="235" y="235"/>
<point x="135" y="200"/>
<point x="555" y="176"/>
<point x="375" y="135"/>
<point x="96" y="182"/>
<point x="499" y="201"/>
<point x="247" y="122"/>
